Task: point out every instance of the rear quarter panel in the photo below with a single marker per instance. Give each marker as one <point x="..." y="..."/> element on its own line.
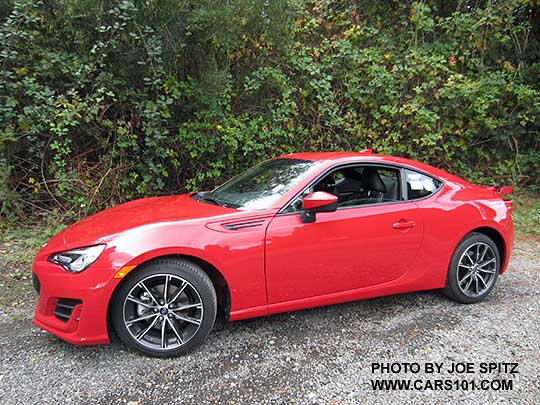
<point x="456" y="210"/>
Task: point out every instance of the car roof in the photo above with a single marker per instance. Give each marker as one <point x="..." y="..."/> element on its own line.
<point x="322" y="156"/>
<point x="367" y="156"/>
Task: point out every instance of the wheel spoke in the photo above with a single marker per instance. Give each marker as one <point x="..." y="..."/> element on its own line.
<point x="482" y="280"/>
<point x="178" y="292"/>
<point x="483" y="254"/>
<point x="469" y="257"/>
<point x="166" y="288"/>
<point x="482" y="265"/>
<point x="149" y="293"/>
<point x="189" y="306"/>
<point x="178" y="337"/>
<point x="141" y="318"/>
<point x="163" y="340"/>
<point x="476" y="282"/>
<point x="465" y="277"/>
<point x="468" y="284"/>
<point x="187" y="319"/>
<point x="489" y="271"/>
<point x="465" y="266"/>
<point x="144" y="332"/>
<point x="139" y="302"/>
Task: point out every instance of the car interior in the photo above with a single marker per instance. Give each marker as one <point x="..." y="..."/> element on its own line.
<point x="361" y="185"/>
<point x="358" y="185"/>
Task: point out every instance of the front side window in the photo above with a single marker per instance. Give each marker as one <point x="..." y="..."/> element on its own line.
<point x="261" y="186"/>
<point x="355" y="186"/>
<point x="419" y="185"/>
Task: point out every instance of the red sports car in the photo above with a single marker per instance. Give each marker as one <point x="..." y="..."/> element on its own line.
<point x="294" y="232"/>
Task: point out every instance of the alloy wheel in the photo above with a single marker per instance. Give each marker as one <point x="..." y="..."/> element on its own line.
<point x="163" y="311"/>
<point x="476" y="269"/>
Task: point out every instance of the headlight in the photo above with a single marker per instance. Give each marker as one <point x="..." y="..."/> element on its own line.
<point x="77" y="260"/>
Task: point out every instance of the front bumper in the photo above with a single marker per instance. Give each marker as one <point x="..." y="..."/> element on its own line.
<point x="89" y="293"/>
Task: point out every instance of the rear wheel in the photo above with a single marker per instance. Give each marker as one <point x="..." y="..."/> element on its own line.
<point x="473" y="269"/>
<point x="165" y="308"/>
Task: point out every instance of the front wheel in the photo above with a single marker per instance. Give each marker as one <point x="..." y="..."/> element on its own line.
<point x="473" y="269"/>
<point x="165" y="308"/>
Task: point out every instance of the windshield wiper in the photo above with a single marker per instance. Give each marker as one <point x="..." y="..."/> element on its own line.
<point x="204" y="196"/>
<point x="209" y="198"/>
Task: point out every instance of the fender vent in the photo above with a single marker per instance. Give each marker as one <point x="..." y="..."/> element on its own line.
<point x="244" y="225"/>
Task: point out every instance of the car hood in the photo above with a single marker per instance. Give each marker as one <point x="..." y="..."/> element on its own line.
<point x="106" y="224"/>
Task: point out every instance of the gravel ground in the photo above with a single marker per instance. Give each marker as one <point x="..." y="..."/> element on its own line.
<point x="321" y="356"/>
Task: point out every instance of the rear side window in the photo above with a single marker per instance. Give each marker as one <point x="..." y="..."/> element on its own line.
<point x="419" y="185"/>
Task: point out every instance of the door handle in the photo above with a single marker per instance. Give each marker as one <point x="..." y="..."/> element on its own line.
<point x="404" y="224"/>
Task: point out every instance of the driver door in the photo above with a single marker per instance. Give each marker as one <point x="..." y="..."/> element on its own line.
<point x="357" y="246"/>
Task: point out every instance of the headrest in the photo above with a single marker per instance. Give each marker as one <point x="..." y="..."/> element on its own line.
<point x="371" y="181"/>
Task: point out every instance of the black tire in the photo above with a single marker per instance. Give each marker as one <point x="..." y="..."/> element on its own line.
<point x="185" y="329"/>
<point x="462" y="267"/>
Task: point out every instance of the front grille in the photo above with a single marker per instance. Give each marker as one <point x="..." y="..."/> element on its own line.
<point x="36" y="283"/>
<point x="64" y="308"/>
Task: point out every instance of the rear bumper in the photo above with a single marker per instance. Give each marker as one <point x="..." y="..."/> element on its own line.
<point x="86" y="322"/>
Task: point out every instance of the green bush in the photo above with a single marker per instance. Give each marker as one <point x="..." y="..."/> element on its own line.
<point x="106" y="101"/>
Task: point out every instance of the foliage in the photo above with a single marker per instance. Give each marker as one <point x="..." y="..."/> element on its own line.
<point x="526" y="214"/>
<point x="18" y="247"/>
<point x="106" y="101"/>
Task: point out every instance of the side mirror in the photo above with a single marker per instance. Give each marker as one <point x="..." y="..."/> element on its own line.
<point x="319" y="201"/>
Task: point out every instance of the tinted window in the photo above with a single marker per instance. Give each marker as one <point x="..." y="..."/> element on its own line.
<point x="366" y="185"/>
<point x="356" y="185"/>
<point x="419" y="185"/>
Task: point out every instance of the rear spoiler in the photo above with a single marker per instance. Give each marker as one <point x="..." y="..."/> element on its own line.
<point x="501" y="190"/>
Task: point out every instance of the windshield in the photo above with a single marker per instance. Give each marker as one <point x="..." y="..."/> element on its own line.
<point x="261" y="186"/>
